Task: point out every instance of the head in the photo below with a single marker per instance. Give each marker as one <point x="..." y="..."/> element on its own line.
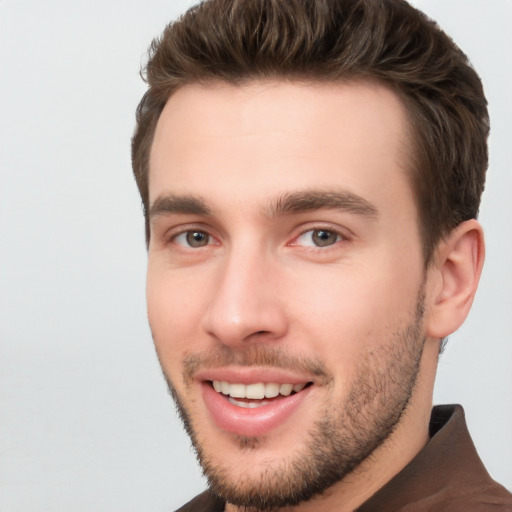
<point x="310" y="172"/>
<point x="338" y="41"/>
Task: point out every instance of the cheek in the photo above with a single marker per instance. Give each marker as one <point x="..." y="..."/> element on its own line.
<point x="348" y="312"/>
<point x="172" y="315"/>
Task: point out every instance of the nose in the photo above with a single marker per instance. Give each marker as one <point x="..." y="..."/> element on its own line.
<point x="246" y="305"/>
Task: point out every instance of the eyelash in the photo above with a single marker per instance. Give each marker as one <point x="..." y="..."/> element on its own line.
<point x="193" y="232"/>
<point x="339" y="237"/>
<point x="173" y="236"/>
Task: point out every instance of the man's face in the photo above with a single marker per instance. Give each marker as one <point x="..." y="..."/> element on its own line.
<point x="285" y="279"/>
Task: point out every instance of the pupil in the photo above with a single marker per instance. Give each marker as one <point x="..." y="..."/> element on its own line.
<point x="323" y="238"/>
<point x="197" y="238"/>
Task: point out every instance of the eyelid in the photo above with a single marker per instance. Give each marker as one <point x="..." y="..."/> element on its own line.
<point x="172" y="233"/>
<point x="344" y="234"/>
<point x="309" y="241"/>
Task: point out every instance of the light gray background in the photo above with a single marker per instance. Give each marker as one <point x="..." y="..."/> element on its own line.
<point x="85" y="420"/>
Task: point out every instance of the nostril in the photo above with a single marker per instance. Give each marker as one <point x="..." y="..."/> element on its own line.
<point x="258" y="336"/>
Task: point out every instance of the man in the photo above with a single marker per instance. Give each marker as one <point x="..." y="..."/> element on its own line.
<point x="311" y="174"/>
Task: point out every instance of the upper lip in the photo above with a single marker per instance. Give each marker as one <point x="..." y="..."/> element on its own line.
<point x="252" y="375"/>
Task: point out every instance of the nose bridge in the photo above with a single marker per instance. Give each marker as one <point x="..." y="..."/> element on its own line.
<point x="245" y="302"/>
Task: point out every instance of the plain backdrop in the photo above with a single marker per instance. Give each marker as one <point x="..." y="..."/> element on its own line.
<point x="86" y="423"/>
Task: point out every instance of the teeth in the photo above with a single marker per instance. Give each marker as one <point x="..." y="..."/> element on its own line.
<point x="271" y="390"/>
<point x="237" y="390"/>
<point x="247" y="405"/>
<point x="286" y="389"/>
<point x="298" y="387"/>
<point x="257" y="391"/>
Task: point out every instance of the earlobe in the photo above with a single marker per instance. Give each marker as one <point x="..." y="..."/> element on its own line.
<point x="457" y="267"/>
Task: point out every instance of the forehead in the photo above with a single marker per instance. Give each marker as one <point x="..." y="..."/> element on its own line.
<point x="260" y="138"/>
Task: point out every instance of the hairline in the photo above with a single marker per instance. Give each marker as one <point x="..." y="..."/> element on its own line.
<point x="411" y="155"/>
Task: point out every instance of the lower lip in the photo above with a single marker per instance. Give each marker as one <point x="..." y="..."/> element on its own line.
<point x="250" y="422"/>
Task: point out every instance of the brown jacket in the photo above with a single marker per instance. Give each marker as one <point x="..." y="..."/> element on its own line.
<point x="446" y="476"/>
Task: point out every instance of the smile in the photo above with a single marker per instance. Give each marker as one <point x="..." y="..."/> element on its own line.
<point x="253" y="395"/>
<point x="254" y="408"/>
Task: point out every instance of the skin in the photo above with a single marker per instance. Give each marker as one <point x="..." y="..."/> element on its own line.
<point x="260" y="285"/>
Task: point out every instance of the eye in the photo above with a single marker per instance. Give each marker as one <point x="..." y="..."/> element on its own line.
<point x="318" y="238"/>
<point x="193" y="238"/>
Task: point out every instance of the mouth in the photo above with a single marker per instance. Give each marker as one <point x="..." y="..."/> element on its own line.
<point x="252" y="405"/>
<point x="260" y="394"/>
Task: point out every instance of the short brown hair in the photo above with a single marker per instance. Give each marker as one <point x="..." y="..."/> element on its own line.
<point x="332" y="40"/>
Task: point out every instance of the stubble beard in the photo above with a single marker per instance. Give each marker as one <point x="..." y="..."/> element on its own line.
<point x="340" y="440"/>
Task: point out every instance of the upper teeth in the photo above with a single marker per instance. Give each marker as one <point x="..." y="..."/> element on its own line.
<point x="255" y="391"/>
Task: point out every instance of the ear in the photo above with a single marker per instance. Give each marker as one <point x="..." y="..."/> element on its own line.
<point x="457" y="267"/>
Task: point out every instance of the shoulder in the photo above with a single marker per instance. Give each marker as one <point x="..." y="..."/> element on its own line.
<point x="488" y="497"/>
<point x="447" y="475"/>
<point x="204" y="502"/>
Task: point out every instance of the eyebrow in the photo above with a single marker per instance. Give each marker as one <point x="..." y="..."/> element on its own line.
<point x="309" y="200"/>
<point x="187" y="205"/>
<point x="285" y="204"/>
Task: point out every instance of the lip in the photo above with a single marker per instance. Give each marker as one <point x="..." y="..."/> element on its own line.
<point x="251" y="422"/>
<point x="253" y="375"/>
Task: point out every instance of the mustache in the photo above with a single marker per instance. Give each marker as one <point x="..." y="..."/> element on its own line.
<point x="255" y="355"/>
